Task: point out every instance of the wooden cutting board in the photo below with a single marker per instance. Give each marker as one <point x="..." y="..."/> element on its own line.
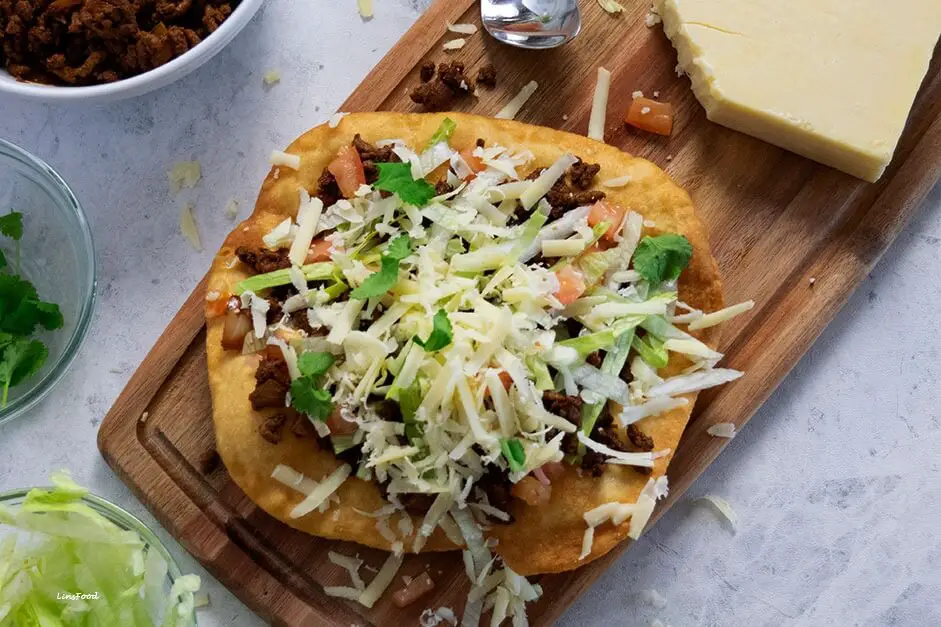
<point x="794" y="236"/>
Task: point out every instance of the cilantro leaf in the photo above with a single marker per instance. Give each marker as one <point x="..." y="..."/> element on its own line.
<point x="21" y="359"/>
<point x="399" y="248"/>
<point x="49" y="315"/>
<point x="514" y="453"/>
<point x="397" y="178"/>
<point x="11" y="225"/>
<point x="381" y="281"/>
<point x="309" y="399"/>
<point x="314" y="364"/>
<point x="443" y="133"/>
<point x="662" y="258"/>
<point x="440" y="333"/>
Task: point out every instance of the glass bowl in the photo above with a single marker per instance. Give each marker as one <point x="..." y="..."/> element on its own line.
<point x="120" y="517"/>
<point x="56" y="253"/>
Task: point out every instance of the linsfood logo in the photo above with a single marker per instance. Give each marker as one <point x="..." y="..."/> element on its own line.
<point x="78" y="596"/>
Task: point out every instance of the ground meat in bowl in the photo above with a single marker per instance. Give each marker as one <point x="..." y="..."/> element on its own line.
<point x="89" y="42"/>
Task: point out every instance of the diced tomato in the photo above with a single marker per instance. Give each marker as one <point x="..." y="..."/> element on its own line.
<point x="553" y="470"/>
<point x="505" y="379"/>
<point x="608" y="212"/>
<point x="347" y="168"/>
<point x="473" y="162"/>
<point x="571" y="285"/>
<point x="340" y="425"/>
<point x="651" y="115"/>
<point x="218" y="306"/>
<point x="531" y="491"/>
<point x="319" y="251"/>
<point x="236" y="327"/>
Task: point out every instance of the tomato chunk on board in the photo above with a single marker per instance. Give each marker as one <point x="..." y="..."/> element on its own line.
<point x="651" y="115"/>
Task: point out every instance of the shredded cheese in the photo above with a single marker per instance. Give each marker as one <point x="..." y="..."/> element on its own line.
<point x="271" y="77"/>
<point x="722" y="507"/>
<point x="351" y="565"/>
<point x="287" y="160"/>
<point x="454" y="44"/>
<point x="599" y="104"/>
<point x="308" y="217"/>
<point x="509" y="111"/>
<point x="183" y="174"/>
<point x="619" y="181"/>
<point x="611" y="6"/>
<point x="232" y="209"/>
<point x="189" y="228"/>
<point x="722" y="430"/>
<point x="464" y="29"/>
<point x="365" y="8"/>
<point x="381" y="581"/>
<point x="320" y="493"/>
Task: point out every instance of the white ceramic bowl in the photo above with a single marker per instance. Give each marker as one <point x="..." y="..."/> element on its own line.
<point x="148" y="81"/>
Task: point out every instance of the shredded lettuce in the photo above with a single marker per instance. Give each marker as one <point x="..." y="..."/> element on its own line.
<point x="70" y="548"/>
<point x="651" y="350"/>
<point x="443" y="133"/>
<point x="513" y="452"/>
<point x="613" y="363"/>
<point x="320" y="271"/>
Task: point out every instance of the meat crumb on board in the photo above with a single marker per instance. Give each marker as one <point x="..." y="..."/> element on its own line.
<point x="441" y="85"/>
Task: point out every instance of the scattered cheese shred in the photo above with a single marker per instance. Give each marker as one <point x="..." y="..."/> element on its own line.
<point x="183" y="174"/>
<point x="463" y="29"/>
<point x="509" y="111"/>
<point x="722" y="507"/>
<point x="320" y="492"/>
<point x="189" y="228"/>
<point x="308" y="216"/>
<point x="599" y="104"/>
<point x="611" y="6"/>
<point x="342" y="592"/>
<point x="381" y="581"/>
<point x="365" y="8"/>
<point x="620" y="181"/>
<point x="454" y="44"/>
<point x="587" y="541"/>
<point x="271" y="77"/>
<point x="232" y="209"/>
<point x="722" y="430"/>
<point x="351" y="565"/>
<point x="653" y="598"/>
<point x="281" y="158"/>
<point x="718" y="317"/>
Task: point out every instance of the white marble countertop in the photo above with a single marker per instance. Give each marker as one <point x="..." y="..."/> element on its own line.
<point x="835" y="480"/>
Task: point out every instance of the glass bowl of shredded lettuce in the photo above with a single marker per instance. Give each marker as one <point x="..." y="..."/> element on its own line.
<point x="68" y="558"/>
<point x="47" y="279"/>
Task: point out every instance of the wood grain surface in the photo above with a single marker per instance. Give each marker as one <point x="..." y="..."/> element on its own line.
<point x="776" y="220"/>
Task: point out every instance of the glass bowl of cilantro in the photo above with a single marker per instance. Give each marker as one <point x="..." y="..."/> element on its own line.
<point x="47" y="279"/>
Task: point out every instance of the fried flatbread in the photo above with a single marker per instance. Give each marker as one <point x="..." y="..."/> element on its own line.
<point x="541" y="539"/>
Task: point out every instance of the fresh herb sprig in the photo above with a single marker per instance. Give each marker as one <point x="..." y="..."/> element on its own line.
<point x="381" y="281"/>
<point x="306" y="394"/>
<point x="21" y="312"/>
<point x="662" y="257"/>
<point x="440" y="335"/>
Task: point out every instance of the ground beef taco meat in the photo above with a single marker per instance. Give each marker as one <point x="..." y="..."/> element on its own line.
<point x="89" y="42"/>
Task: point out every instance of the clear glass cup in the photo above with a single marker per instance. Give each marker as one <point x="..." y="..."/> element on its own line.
<point x="56" y="254"/>
<point x="120" y="517"/>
